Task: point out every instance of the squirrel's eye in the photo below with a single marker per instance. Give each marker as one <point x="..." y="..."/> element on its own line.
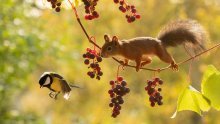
<point x="109" y="48"/>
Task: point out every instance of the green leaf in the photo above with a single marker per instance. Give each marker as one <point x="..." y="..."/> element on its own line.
<point x="209" y="71"/>
<point x="211" y="89"/>
<point x="192" y="100"/>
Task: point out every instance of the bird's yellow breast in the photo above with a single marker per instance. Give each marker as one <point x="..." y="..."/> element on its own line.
<point x="56" y="86"/>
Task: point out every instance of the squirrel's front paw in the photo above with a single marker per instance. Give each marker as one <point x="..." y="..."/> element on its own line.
<point x="137" y="69"/>
<point x="174" y="66"/>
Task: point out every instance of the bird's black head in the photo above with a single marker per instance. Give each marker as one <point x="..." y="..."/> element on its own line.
<point x="45" y="80"/>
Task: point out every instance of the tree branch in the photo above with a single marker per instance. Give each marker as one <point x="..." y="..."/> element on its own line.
<point x="149" y="69"/>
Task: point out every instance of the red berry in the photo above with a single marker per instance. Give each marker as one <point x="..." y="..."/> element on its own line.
<point x="86" y="61"/>
<point x="132" y="18"/>
<point x="59" y="4"/>
<point x="154" y="83"/>
<point x="129" y="20"/>
<point x="112" y="95"/>
<point x="160" y="82"/>
<point x="116" y="1"/>
<point x="152" y="104"/>
<point x="92" y="75"/>
<point x="110" y="91"/>
<point x="138" y="16"/>
<point x="159" y="89"/>
<point x="95" y="14"/>
<point x="111" y="105"/>
<point x="151" y="99"/>
<point x="122" y="9"/>
<point x="121" y="2"/>
<point x="127" y="90"/>
<point x="149" y="83"/>
<point x="98" y="77"/>
<point x="100" y="73"/>
<point x="53" y="6"/>
<point x="99" y="59"/>
<point x="87" y="11"/>
<point x="123" y="83"/>
<point x="57" y="9"/>
<point x="133" y="10"/>
<point x="119" y="78"/>
<point x="156" y="79"/>
<point x="90" y="17"/>
<point x="86" y="17"/>
<point x="112" y="82"/>
<point x="84" y="56"/>
<point x="146" y="88"/>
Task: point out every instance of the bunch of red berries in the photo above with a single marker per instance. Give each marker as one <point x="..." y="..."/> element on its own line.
<point x="154" y="92"/>
<point x="90" y="9"/>
<point x="131" y="11"/>
<point x="92" y="58"/>
<point x="116" y="93"/>
<point x="55" y="4"/>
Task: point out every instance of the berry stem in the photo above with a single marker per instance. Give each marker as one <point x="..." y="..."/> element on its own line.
<point x="94" y="40"/>
<point x="118" y="70"/>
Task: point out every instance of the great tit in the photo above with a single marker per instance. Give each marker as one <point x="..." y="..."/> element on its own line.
<point x="56" y="84"/>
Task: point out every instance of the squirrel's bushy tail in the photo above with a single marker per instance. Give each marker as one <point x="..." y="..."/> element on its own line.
<point x="187" y="32"/>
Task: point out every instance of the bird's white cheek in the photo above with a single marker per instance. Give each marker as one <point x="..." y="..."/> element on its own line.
<point x="47" y="81"/>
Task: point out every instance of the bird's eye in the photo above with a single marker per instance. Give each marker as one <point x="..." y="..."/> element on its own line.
<point x="109" y="48"/>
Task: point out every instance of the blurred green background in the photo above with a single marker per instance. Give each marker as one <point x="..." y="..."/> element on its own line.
<point x="34" y="39"/>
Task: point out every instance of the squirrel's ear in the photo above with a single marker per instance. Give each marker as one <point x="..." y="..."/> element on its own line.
<point x="115" y="40"/>
<point x="107" y="38"/>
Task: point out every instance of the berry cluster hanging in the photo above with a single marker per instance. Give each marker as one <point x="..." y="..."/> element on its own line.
<point x="55" y="4"/>
<point x="117" y="91"/>
<point x="92" y="58"/>
<point x="154" y="92"/>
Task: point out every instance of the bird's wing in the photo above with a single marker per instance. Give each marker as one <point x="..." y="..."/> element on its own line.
<point x="57" y="75"/>
<point x="65" y="86"/>
<point x="65" y="89"/>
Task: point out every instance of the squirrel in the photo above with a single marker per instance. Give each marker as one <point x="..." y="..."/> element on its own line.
<point x="140" y="49"/>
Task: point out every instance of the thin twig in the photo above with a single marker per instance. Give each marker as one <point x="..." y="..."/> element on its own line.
<point x="149" y="69"/>
<point x="84" y="30"/>
<point x="197" y="55"/>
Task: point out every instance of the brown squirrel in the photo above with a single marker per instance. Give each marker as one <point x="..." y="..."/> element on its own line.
<point x="140" y="49"/>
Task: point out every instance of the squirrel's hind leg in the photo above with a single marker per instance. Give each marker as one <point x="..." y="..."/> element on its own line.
<point x="138" y="63"/>
<point x="166" y="57"/>
<point x="146" y="60"/>
<point x="126" y="61"/>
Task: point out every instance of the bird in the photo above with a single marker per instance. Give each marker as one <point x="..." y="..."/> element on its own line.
<point x="56" y="83"/>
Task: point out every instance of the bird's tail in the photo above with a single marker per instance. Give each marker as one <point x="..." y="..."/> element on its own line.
<point x="71" y="85"/>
